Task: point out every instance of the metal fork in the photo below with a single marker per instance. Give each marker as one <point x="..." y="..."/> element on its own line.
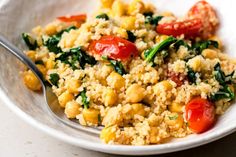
<point x="51" y="100"/>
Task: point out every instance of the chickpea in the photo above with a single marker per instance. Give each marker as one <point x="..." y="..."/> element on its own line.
<point x="118" y="8"/>
<point x="135" y="93"/>
<point x="196" y="63"/>
<point x="72" y="109"/>
<point x="109" y="97"/>
<point x="108" y="133"/>
<point x="31" y="54"/>
<point x="128" y="22"/>
<point x="64" y="98"/>
<point x="163" y="85"/>
<point x="31" y="81"/>
<point x="50" y="64"/>
<point x="91" y="115"/>
<point x="136" y="6"/>
<point x="138" y="109"/>
<point x="50" y="29"/>
<point x="107" y="3"/>
<point x="174" y="120"/>
<point x="176" y="107"/>
<point x="73" y="85"/>
<point x="42" y="69"/>
<point x="115" y="80"/>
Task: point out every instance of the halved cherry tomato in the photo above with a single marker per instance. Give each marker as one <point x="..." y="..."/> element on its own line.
<point x="113" y="47"/>
<point x="200" y="114"/>
<point x="201" y="21"/>
<point x="73" y="18"/>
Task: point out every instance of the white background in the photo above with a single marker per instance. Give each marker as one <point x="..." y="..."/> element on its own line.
<point x="19" y="139"/>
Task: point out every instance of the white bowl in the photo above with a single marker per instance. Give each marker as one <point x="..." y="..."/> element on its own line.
<point x="20" y="16"/>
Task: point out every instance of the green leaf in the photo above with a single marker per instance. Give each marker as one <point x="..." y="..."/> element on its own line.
<point x="151" y="53"/>
<point x="153" y="20"/>
<point x="85" y="100"/>
<point x="191" y="75"/>
<point x="103" y="16"/>
<point x="179" y="43"/>
<point x="54" y="78"/>
<point x="148" y="14"/>
<point x="200" y="46"/>
<point x="173" y="117"/>
<point x="131" y="36"/>
<point x="29" y="41"/>
<point x="117" y="65"/>
<point x="224" y="93"/>
<point x="39" y="62"/>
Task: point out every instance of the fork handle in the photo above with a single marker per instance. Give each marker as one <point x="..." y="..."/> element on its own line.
<point x="21" y="56"/>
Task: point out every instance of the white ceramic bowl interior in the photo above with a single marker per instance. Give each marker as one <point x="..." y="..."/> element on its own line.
<point x="20" y="16"/>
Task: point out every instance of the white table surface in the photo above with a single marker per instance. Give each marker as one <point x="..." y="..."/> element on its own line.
<point x="19" y="139"/>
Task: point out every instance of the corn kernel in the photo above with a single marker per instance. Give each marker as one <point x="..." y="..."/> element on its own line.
<point x="122" y="33"/>
<point x="115" y="80"/>
<point x="138" y="109"/>
<point x="128" y="22"/>
<point x="118" y="8"/>
<point x="176" y="107"/>
<point x="107" y="3"/>
<point x="91" y="116"/>
<point x="135" y="93"/>
<point x="31" y="54"/>
<point x="108" y="133"/>
<point x="209" y="53"/>
<point x="109" y="97"/>
<point x="31" y="81"/>
<point x="64" y="98"/>
<point x="72" y="109"/>
<point x="136" y="6"/>
<point x="161" y="38"/>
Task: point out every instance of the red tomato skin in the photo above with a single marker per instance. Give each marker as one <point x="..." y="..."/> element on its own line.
<point x="113" y="47"/>
<point x="73" y="18"/>
<point x="200" y="114"/>
<point x="177" y="78"/>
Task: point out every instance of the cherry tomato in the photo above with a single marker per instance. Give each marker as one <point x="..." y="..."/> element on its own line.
<point x="200" y="114"/>
<point x="201" y="21"/>
<point x="177" y="78"/>
<point x="73" y="18"/>
<point x="113" y="47"/>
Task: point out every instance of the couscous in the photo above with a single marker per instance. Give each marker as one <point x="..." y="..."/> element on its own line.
<point x="146" y="76"/>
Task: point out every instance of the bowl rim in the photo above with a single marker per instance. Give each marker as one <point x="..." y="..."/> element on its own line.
<point x="116" y="149"/>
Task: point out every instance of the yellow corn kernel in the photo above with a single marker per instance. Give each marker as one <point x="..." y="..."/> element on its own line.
<point x="73" y="85"/>
<point x="72" y="109"/>
<point x="118" y="8"/>
<point x="138" y="109"/>
<point x="161" y="38"/>
<point x="195" y="63"/>
<point x="174" y="120"/>
<point x="209" y="53"/>
<point x="91" y="116"/>
<point x="31" y="54"/>
<point x="122" y="33"/>
<point x="31" y="81"/>
<point x="176" y="107"/>
<point x="109" y="97"/>
<point x="135" y="93"/>
<point x="163" y="85"/>
<point x="153" y="138"/>
<point x="115" y="80"/>
<point x="107" y="3"/>
<point x="128" y="22"/>
<point x="42" y="69"/>
<point x="136" y="6"/>
<point x="50" y="29"/>
<point x="64" y="98"/>
<point x="50" y="64"/>
<point x="108" y="133"/>
<point x="217" y="39"/>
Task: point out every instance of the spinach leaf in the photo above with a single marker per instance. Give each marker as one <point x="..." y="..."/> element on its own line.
<point x="54" y="78"/>
<point x="153" y="20"/>
<point x="151" y="53"/>
<point x="76" y="55"/>
<point x="103" y="16"/>
<point x="117" y="65"/>
<point x="200" y="46"/>
<point x="191" y="75"/>
<point x="29" y="41"/>
<point x="39" y="62"/>
<point x="53" y="41"/>
<point x="85" y="100"/>
<point x="179" y="43"/>
<point x="131" y="36"/>
<point x="148" y="14"/>
<point x="223" y="93"/>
